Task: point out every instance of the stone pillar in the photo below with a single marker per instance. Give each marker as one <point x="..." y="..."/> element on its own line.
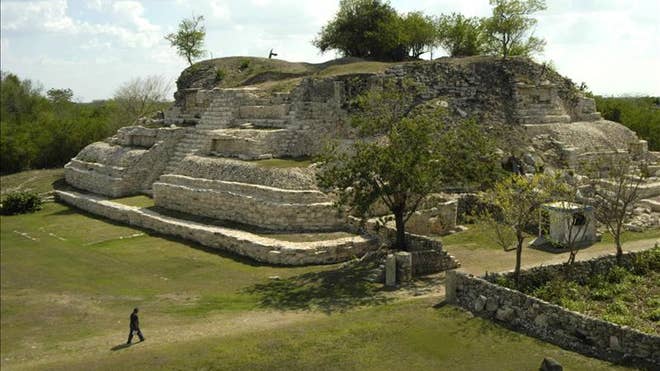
<point x="450" y="287"/>
<point x="404" y="266"/>
<point x="390" y="270"/>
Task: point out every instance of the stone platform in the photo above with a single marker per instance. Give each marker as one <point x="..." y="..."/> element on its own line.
<point x="257" y="247"/>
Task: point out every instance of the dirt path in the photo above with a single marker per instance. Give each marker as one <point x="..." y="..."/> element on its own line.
<point x="212" y="326"/>
<point x="479" y="261"/>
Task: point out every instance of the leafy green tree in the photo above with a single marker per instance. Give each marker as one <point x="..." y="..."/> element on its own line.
<point x="517" y="200"/>
<point x="640" y="114"/>
<point x="189" y="38"/>
<point x="419" y="33"/>
<point x="59" y="96"/>
<point x="461" y="36"/>
<point x="509" y="28"/>
<point x="400" y="158"/>
<point x="369" y="29"/>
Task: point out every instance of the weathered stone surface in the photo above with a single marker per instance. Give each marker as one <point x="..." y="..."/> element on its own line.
<point x="390" y="270"/>
<point x="259" y="248"/>
<point x="549" y="364"/>
<point x="552" y="323"/>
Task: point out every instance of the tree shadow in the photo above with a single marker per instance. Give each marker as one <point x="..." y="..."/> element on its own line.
<point x="330" y="291"/>
<point x="120" y="347"/>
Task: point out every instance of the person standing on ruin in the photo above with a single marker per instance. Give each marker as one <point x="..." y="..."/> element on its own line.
<point x="135" y="326"/>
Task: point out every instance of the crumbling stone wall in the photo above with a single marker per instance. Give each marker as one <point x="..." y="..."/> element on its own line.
<point x="119" y="167"/>
<point x="552" y="323"/>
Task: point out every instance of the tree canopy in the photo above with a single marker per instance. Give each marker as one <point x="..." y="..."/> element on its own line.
<point x="189" y="38"/>
<point x="509" y="29"/>
<point x="461" y="36"/>
<point x="402" y="155"/>
<point x="372" y="29"/>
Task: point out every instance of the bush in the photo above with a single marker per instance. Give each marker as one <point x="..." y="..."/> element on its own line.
<point x="245" y="63"/>
<point x="21" y="203"/>
<point x="220" y="74"/>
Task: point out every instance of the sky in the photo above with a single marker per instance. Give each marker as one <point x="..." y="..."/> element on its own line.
<point x="94" y="46"/>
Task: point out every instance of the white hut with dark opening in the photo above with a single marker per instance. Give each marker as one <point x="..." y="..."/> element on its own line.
<point x="562" y="224"/>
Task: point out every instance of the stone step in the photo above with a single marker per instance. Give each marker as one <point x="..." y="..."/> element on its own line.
<point x="548" y="119"/>
<point x="261" y="123"/>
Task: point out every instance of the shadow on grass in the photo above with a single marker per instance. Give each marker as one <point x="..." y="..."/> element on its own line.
<point x="120" y="347"/>
<point x="328" y="291"/>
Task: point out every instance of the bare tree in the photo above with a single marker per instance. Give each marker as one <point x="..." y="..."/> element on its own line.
<point x="517" y="200"/>
<point x="615" y="194"/>
<point x="141" y="97"/>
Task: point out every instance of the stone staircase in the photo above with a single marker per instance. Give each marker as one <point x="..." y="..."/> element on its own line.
<point x="218" y="115"/>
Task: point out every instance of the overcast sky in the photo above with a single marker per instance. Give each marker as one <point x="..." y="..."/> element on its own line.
<point x="93" y="46"/>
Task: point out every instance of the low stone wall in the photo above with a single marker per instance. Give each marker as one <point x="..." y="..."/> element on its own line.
<point x="552" y="323"/>
<point x="427" y="254"/>
<point x="262" y="249"/>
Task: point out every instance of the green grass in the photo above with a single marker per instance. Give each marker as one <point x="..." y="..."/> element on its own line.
<point x="139" y="201"/>
<point x="409" y="335"/>
<point x="39" y="181"/>
<point x="69" y="281"/>
<point x="626" y="297"/>
<point x="355" y="68"/>
<point x="478" y="236"/>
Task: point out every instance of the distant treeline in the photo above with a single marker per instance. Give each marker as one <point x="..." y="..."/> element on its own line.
<point x="640" y="114"/>
<point x="46" y="130"/>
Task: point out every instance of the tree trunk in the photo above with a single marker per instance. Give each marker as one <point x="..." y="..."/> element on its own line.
<point x="617" y="240"/>
<point x="400" y="231"/>
<point x="516" y="272"/>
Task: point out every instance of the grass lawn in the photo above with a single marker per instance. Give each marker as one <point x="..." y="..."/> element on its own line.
<point x="39" y="181"/>
<point x="69" y="281"/>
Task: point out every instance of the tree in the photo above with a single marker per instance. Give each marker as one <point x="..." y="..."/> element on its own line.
<point x="141" y="97"/>
<point x="60" y="96"/>
<point x="517" y="200"/>
<point x="189" y="38"/>
<point x="419" y="33"/>
<point x="508" y="29"/>
<point x="614" y="196"/>
<point x="399" y="159"/>
<point x="460" y="36"/>
<point x="367" y="29"/>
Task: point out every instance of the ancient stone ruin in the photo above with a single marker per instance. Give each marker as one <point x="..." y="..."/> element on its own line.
<point x="209" y="156"/>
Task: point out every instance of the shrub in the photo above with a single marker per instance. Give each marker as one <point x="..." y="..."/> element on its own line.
<point x="245" y="63"/>
<point x="220" y="74"/>
<point x="21" y="203"/>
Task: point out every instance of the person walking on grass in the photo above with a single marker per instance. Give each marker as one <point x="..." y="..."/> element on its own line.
<point x="135" y="327"/>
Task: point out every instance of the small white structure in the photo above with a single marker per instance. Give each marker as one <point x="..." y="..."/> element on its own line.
<point x="565" y="223"/>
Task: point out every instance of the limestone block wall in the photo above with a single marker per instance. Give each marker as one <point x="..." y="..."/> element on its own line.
<point x="272" y="198"/>
<point x="259" y="248"/>
<point x="117" y="167"/>
<point x="248" y="144"/>
<point x="552" y="323"/>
